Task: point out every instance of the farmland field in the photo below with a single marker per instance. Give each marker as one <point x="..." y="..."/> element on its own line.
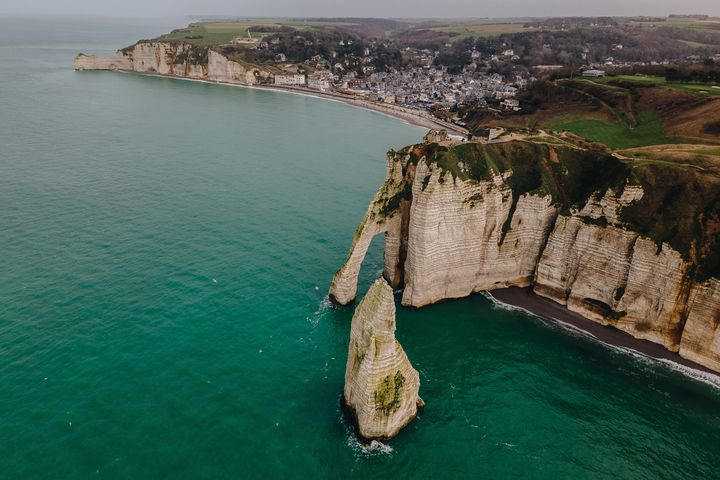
<point x="222" y="32"/>
<point x="695" y="88"/>
<point x="462" y="30"/>
<point x="649" y="131"/>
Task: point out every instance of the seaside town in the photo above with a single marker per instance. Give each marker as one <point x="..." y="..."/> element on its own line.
<point x="423" y="85"/>
<point x="467" y="78"/>
<point x="432" y="80"/>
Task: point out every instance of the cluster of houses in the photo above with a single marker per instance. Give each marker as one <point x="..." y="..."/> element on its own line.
<point x="421" y="85"/>
<point x="289" y="80"/>
<point x="434" y="87"/>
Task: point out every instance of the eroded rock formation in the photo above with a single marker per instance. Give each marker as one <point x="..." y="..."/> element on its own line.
<point x="174" y="58"/>
<point x="381" y="386"/>
<point x="635" y="246"/>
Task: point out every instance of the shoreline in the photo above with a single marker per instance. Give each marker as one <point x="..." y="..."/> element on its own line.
<point x="517" y="297"/>
<point x="418" y="118"/>
<point x="552" y="312"/>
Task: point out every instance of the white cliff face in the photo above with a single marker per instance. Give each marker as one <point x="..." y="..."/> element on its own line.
<point x="94" y="62"/>
<point x="656" y="294"/>
<point x="220" y="69"/>
<point x="176" y="59"/>
<point x="459" y="242"/>
<point x="614" y="277"/>
<point x="451" y="237"/>
<point x="701" y="335"/>
<point x="381" y="386"/>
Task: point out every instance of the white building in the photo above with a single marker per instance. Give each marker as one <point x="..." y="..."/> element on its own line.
<point x="505" y="91"/>
<point x="289" y="80"/>
<point x="510" y="104"/>
<point x="593" y="73"/>
<point x="318" y="84"/>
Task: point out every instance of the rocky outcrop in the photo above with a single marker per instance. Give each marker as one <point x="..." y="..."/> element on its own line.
<point x="381" y="386"/>
<point x="174" y="58"/>
<point x="631" y="246"/>
<point x="94" y="62"/>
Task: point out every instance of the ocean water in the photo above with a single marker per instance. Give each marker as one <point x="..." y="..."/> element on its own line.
<point x="165" y="251"/>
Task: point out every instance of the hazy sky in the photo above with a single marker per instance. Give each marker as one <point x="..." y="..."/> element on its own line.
<point x="366" y="8"/>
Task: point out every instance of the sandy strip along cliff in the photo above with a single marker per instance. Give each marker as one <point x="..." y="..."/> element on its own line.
<point x="632" y="246"/>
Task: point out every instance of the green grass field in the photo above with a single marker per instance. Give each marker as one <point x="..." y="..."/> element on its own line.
<point x="617" y="135"/>
<point x="694" y="88"/>
<point x="480" y="29"/>
<point x="220" y="33"/>
<point x="709" y="25"/>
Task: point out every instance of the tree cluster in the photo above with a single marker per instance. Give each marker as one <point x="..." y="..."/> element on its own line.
<point x="692" y="76"/>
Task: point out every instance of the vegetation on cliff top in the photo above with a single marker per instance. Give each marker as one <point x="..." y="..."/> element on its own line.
<point x="680" y="205"/>
<point x="569" y="175"/>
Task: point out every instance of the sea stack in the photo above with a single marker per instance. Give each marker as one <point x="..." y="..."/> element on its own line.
<point x="381" y="386"/>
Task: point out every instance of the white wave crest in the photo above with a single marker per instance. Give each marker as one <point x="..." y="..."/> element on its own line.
<point x="324" y="307"/>
<point x="707" y="378"/>
<point x="498" y="305"/>
<point x="374" y="448"/>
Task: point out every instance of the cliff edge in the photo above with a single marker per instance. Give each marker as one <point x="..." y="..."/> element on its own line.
<point x="633" y="245"/>
<point x="176" y="59"/>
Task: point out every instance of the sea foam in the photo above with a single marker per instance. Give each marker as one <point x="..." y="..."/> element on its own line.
<point x="707" y="378"/>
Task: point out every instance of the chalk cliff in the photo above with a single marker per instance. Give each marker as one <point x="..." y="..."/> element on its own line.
<point x="635" y="246"/>
<point x="174" y="58"/>
<point x="381" y="386"/>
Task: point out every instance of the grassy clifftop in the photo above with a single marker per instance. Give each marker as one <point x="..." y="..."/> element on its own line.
<point x="566" y="173"/>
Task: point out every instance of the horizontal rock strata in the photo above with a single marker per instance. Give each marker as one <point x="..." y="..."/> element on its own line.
<point x="616" y="243"/>
<point x="458" y="244"/>
<point x="381" y="386"/>
<point x="176" y="59"/>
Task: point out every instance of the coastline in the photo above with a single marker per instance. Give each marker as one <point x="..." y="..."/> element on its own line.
<point x="549" y="311"/>
<point x="414" y="117"/>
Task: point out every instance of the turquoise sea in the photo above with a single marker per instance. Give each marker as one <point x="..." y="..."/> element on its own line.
<point x="165" y="251"/>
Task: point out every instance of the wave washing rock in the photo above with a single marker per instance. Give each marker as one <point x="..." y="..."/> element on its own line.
<point x="634" y="246"/>
<point x="174" y="58"/>
<point x="381" y="386"/>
